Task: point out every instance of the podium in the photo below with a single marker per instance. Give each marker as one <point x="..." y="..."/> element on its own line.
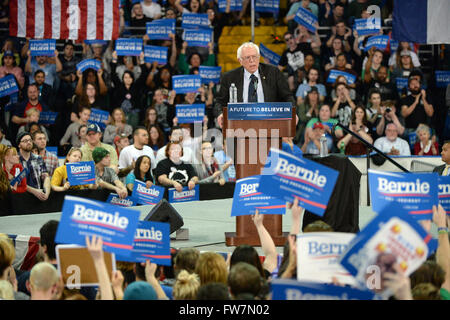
<point x="252" y="140"/>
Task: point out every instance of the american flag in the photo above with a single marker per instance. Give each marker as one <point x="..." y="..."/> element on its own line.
<point x="26" y="249"/>
<point x="65" y="19"/>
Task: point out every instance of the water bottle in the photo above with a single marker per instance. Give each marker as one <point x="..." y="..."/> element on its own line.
<point x="323" y="146"/>
<point x="233" y="93"/>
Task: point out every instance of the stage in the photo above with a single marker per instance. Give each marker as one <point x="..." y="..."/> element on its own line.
<point x="206" y="221"/>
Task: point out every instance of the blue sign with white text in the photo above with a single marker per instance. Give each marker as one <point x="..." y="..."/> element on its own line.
<point x="379" y="42"/>
<point x="89" y="64"/>
<point x="99" y="117"/>
<point x="197" y="37"/>
<point x="160" y="29"/>
<point x="195" y="21"/>
<point x="129" y="47"/>
<point x="155" y="54"/>
<point x="442" y="79"/>
<point x="84" y="217"/>
<point x="151" y="242"/>
<point x="114" y="198"/>
<point x="18" y="179"/>
<point x="401" y="83"/>
<point x="186" y="83"/>
<point x="43" y="47"/>
<point x="47" y="117"/>
<point x="146" y="196"/>
<point x="268" y="54"/>
<point x="247" y="198"/>
<point x="8" y="86"/>
<point x="80" y="173"/>
<point x="267" y="6"/>
<point x="210" y="74"/>
<point x="287" y="177"/>
<point x="260" y="111"/>
<point x="306" y="18"/>
<point x="334" y="74"/>
<point x="185" y="195"/>
<point x="190" y="113"/>
<point x="415" y="192"/>
<point x="444" y="192"/>
<point x="367" y="26"/>
<point x="235" y="5"/>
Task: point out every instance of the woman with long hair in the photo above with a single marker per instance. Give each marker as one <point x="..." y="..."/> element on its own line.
<point x="11" y="168"/>
<point x="117" y="126"/>
<point x="208" y="168"/>
<point x="306" y="110"/>
<point x="394" y="59"/>
<point x="142" y="171"/>
<point x="88" y="98"/>
<point x="156" y="138"/>
<point x="359" y="125"/>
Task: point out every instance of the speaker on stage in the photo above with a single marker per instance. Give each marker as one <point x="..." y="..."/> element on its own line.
<point x="164" y="212"/>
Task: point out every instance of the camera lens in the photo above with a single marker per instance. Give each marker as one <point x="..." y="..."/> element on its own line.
<point x="388" y="109"/>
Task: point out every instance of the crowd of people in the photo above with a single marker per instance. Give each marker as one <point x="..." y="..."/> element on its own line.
<point x="143" y="140"/>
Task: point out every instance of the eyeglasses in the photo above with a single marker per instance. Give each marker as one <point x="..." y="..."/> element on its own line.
<point x="287" y="39"/>
<point x="248" y="58"/>
<point x="26" y="141"/>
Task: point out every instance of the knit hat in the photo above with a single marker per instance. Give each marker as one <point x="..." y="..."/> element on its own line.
<point x="98" y="154"/>
<point x="139" y="290"/>
<point x="21" y="135"/>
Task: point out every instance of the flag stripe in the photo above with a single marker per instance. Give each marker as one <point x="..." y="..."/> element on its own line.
<point x="100" y="13"/>
<point x="82" y="30"/>
<point x="39" y="19"/>
<point x="64" y="28"/>
<point x="14" y="19"/>
<point x="91" y="19"/>
<point x="116" y="17"/>
<point x="22" y="25"/>
<point x="107" y="20"/>
<point x="56" y="21"/>
<point x="48" y="22"/>
<point x="30" y="19"/>
<point x="74" y="19"/>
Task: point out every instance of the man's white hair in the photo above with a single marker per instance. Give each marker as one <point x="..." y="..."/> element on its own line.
<point x="246" y="45"/>
<point x="43" y="276"/>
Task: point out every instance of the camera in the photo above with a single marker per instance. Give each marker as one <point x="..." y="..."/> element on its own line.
<point x="388" y="109"/>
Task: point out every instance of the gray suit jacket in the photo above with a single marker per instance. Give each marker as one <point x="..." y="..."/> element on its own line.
<point x="274" y="84"/>
<point x="439" y="169"/>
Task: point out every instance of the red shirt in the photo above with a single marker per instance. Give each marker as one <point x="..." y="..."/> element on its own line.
<point x="429" y="153"/>
<point x="15" y="170"/>
<point x="29" y="106"/>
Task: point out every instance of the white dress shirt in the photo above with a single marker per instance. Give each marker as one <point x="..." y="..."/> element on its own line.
<point x="259" y="91"/>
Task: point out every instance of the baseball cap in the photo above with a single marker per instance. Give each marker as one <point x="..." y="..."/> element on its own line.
<point x="93" y="127"/>
<point x="8" y="53"/>
<point x="139" y="290"/>
<point x="318" y="125"/>
<point x="119" y="136"/>
<point x="313" y="88"/>
<point x="98" y="154"/>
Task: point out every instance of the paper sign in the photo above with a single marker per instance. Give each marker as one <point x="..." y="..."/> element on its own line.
<point x="401" y="83"/>
<point x="129" y="47"/>
<point x="89" y="64"/>
<point x="267" y="6"/>
<point x="99" y="117"/>
<point x="288" y="289"/>
<point x="82" y="217"/>
<point x="114" y="198"/>
<point x="53" y="150"/>
<point x="415" y="192"/>
<point x="190" y="113"/>
<point x="367" y="26"/>
<point x="317" y="257"/>
<point x="186" y="83"/>
<point x="334" y="74"/>
<point x="195" y="21"/>
<point x="80" y="173"/>
<point x="442" y="79"/>
<point x="8" y="86"/>
<point x="306" y="18"/>
<point x="392" y="237"/>
<point x="247" y="198"/>
<point x="18" y="179"/>
<point x="260" y="111"/>
<point x="379" y="42"/>
<point x="155" y="54"/>
<point x="444" y="192"/>
<point x="96" y="41"/>
<point x="235" y="5"/>
<point x="42" y="47"/>
<point x="71" y="257"/>
<point x="210" y="74"/>
<point x="197" y="37"/>
<point x="47" y="117"/>
<point x="160" y="29"/>
<point x="151" y="242"/>
<point x="268" y="54"/>
<point x="185" y="195"/>
<point x="144" y="195"/>
<point x="287" y="177"/>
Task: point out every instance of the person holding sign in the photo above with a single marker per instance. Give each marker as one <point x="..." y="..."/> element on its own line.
<point x="9" y="66"/>
<point x="12" y="168"/>
<point x="51" y="69"/>
<point x="208" y="169"/>
<point x="173" y="172"/>
<point x="106" y="177"/>
<point x="60" y="181"/>
<point x="195" y="59"/>
<point x="142" y="171"/>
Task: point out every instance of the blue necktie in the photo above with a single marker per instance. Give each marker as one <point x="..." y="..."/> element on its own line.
<point x="253" y="85"/>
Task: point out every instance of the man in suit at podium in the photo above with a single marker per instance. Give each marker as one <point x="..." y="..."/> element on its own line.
<point x="444" y="170"/>
<point x="255" y="82"/>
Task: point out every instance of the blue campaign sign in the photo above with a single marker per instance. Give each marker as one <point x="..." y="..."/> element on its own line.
<point x="210" y="74"/>
<point x="144" y="195"/>
<point x="53" y="150"/>
<point x="83" y="217"/>
<point x="401" y="83"/>
<point x="268" y="54"/>
<point x="195" y="21"/>
<point x="89" y="64"/>
<point x="114" y="198"/>
<point x="47" y="117"/>
<point x="379" y="42"/>
<point x="306" y="18"/>
<point x="289" y="289"/>
<point x="155" y="54"/>
<point x="367" y="26"/>
<point x="197" y="37"/>
<point x="287" y="177"/>
<point x="186" y="83"/>
<point x="442" y="79"/>
<point x="185" y="195"/>
<point x="235" y="5"/>
<point x="444" y="192"/>
<point x="332" y="76"/>
<point x="43" y="47"/>
<point x="190" y="113"/>
<point x="247" y="198"/>
<point x="8" y="86"/>
<point x="260" y="111"/>
<point x="267" y="6"/>
<point x="151" y="242"/>
<point x="81" y="173"/>
<point x="129" y="47"/>
<point x="160" y="29"/>
<point x="96" y="41"/>
<point x="415" y="192"/>
<point x="393" y="236"/>
<point x="99" y="117"/>
<point x="18" y="179"/>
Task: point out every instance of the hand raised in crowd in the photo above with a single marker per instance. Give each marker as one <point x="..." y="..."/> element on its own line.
<point x="439" y="216"/>
<point x="398" y="283"/>
<point x="148" y="184"/>
<point x="114" y="55"/>
<point x="95" y="247"/>
<point x="258" y="219"/>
